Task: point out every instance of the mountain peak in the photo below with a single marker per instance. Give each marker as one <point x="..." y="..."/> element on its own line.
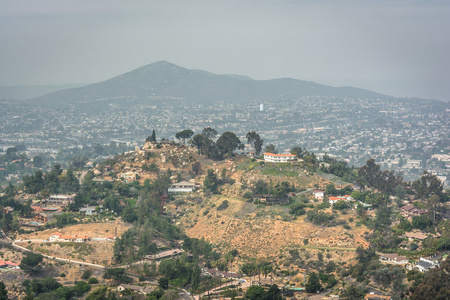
<point x="165" y="80"/>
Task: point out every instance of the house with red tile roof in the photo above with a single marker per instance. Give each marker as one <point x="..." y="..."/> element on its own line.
<point x="278" y="158"/>
<point x="8" y="264"/>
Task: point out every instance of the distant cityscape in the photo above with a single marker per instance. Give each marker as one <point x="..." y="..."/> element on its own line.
<point x="407" y="135"/>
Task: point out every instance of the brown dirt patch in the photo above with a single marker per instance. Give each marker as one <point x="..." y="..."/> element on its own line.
<point x="93" y="230"/>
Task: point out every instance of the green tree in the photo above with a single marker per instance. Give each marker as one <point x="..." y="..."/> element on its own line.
<point x="270" y="149"/>
<point x="370" y="172"/>
<point x="38" y="161"/>
<point x="313" y="285"/>
<point x="427" y="185"/>
<point x="3" y="291"/>
<point x="256" y="292"/>
<point x="209" y="133"/>
<point x="256" y="141"/>
<point x="298" y="151"/>
<point x="34" y="183"/>
<point x="86" y="274"/>
<point x="31" y="262"/>
<point x="211" y="181"/>
<point x="228" y="142"/>
<point x="196" y="168"/>
<point x="184" y="134"/>
<point x="163" y="283"/>
<point x="65" y="219"/>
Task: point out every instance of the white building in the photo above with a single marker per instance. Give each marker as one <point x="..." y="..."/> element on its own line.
<point x="278" y="158"/>
<point x="318" y="194"/>
<point x="181" y="187"/>
<point x="394" y="258"/>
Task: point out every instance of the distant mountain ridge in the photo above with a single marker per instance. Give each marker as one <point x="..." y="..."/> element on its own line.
<point x="23" y="92"/>
<point x="164" y="80"/>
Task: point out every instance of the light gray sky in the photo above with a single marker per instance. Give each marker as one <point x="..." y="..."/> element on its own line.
<point x="400" y="48"/>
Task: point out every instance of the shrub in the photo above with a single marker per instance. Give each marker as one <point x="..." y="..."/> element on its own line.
<point x="93" y="280"/>
<point x="223" y="206"/>
<point x="86" y="274"/>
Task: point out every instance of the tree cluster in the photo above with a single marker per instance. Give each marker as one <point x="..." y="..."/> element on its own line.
<point x="225" y="145"/>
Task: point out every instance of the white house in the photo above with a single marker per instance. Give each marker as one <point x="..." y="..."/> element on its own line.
<point x="394" y="258"/>
<point x="278" y="158"/>
<point x="182" y="187"/>
<point x="60" y="200"/>
<point x="55" y="237"/>
<point x="333" y="200"/>
<point x="425" y="264"/>
<point x="318" y="194"/>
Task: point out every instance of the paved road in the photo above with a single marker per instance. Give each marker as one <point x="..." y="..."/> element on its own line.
<point x="234" y="282"/>
<point x="54" y="257"/>
<point x="183" y="294"/>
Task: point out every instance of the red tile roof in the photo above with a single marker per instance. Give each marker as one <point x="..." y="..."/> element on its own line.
<point x="279" y="155"/>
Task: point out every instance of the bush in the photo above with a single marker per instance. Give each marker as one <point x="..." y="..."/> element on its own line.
<point x="86" y="274"/>
<point x="93" y="280"/>
<point x="223" y="206"/>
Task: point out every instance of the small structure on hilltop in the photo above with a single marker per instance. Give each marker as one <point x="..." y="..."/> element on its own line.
<point x="278" y="158"/>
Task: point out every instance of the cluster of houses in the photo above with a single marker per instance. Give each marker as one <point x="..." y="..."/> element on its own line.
<point x="47" y="209"/>
<point x="423" y="265"/>
<point x="319" y="195"/>
<point x="58" y="237"/>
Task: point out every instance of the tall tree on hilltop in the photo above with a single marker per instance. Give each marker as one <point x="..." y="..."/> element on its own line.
<point x="271" y="149"/>
<point x="184" y="134"/>
<point x="209" y="133"/>
<point x="228" y="142"/>
<point x="428" y="185"/>
<point x="151" y="138"/>
<point x="256" y="141"/>
<point x="370" y="172"/>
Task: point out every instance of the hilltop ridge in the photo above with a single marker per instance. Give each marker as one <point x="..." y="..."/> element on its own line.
<point x="166" y="81"/>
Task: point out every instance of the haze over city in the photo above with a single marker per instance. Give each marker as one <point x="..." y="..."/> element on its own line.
<point x="398" y="48"/>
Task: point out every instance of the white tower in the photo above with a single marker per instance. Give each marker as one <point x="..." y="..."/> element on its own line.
<point x="261" y="107"/>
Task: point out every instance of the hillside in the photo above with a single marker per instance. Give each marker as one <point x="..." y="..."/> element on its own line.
<point x="256" y="231"/>
<point x="163" y="81"/>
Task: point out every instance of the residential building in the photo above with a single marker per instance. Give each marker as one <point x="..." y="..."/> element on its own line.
<point x="409" y="211"/>
<point x="319" y="194"/>
<point x="182" y="187"/>
<point x="60" y="200"/>
<point x="278" y="158"/>
<point x="373" y="296"/>
<point x="393" y="258"/>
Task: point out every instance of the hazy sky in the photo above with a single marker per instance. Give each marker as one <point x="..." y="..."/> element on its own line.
<point x="400" y="48"/>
